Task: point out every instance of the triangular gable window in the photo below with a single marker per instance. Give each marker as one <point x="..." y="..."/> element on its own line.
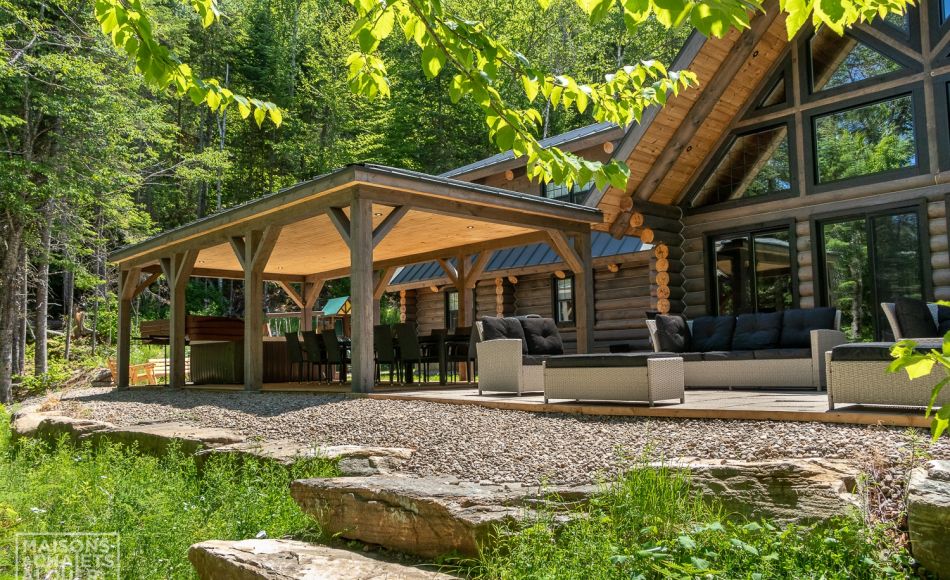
<point x="837" y="61"/>
<point x="899" y="22"/>
<point x="776" y="95"/>
<point x="754" y="165"/>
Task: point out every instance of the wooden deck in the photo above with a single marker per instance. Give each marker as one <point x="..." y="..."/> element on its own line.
<point x="755" y="405"/>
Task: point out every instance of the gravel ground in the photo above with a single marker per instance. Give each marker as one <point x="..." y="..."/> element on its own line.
<point x="476" y="443"/>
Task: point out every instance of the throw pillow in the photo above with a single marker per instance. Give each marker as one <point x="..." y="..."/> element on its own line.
<point x="756" y="331"/>
<point x="914" y="318"/>
<point x="943" y="320"/>
<point x="542" y="336"/>
<point x="497" y="328"/>
<point x="672" y="333"/>
<point x="798" y="323"/>
<point x="712" y="333"/>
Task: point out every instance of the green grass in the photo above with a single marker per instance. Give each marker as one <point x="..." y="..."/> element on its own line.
<point x="649" y="524"/>
<point x="159" y="507"/>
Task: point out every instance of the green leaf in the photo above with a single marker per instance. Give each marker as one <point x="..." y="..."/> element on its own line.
<point x="259" y="115"/>
<point x="918" y="369"/>
<point x="934" y="394"/>
<point x="432" y="60"/>
<point x="531" y="86"/>
<point x="687" y="542"/>
<point x="275" y="116"/>
<point x="940" y="422"/>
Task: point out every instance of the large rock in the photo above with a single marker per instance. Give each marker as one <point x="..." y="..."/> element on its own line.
<point x="786" y="491"/>
<point x="288" y="559"/>
<point x="928" y="516"/>
<point x="351" y="459"/>
<point x="426" y="516"/>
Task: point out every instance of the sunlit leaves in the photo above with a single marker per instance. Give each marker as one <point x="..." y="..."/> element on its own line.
<point x="128" y="25"/>
<point x="919" y="364"/>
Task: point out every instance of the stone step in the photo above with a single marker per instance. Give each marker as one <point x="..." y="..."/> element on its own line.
<point x="425" y="516"/>
<point x="432" y="516"/>
<point x="292" y="560"/>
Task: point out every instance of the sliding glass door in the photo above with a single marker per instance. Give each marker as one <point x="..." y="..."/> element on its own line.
<point x="869" y="259"/>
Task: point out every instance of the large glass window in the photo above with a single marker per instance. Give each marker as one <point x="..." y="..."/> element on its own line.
<point x="756" y="164"/>
<point x="576" y="193"/>
<point x="867" y="260"/>
<point x="841" y="60"/>
<point x="753" y="272"/>
<point x="451" y="309"/>
<point x="564" y="300"/>
<point x="866" y="140"/>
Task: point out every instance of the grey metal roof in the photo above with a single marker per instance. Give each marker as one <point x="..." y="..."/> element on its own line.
<point x="541" y="254"/>
<point x="554" y="141"/>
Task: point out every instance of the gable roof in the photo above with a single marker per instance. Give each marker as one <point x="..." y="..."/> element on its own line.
<point x="602" y="245"/>
<point x="596" y="131"/>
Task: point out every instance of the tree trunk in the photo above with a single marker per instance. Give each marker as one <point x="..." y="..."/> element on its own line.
<point x="9" y="301"/>
<point x="40" y="354"/>
<point x="68" y="284"/>
<point x="23" y="308"/>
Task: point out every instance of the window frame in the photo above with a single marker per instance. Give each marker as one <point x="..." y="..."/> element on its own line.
<point x="819" y="268"/>
<point x="941" y="95"/>
<point x="709" y="243"/>
<point x="447" y="309"/>
<point x="555" y="301"/>
<point x="938" y="29"/>
<point x="714" y="162"/>
<point x="806" y="70"/>
<point x="784" y="72"/>
<point x="577" y="197"/>
<point x="915" y="91"/>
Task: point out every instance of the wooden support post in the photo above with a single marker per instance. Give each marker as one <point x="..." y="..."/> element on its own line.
<point x="177" y="269"/>
<point x="584" y="293"/>
<point x="128" y="283"/>
<point x="252" y="251"/>
<point x="466" y="294"/>
<point x="311" y="292"/>
<point x="361" y="293"/>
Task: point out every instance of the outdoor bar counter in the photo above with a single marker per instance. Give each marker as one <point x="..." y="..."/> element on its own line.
<point x="222" y="362"/>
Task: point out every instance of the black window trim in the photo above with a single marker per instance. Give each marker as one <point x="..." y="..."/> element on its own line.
<point x="709" y="244"/>
<point x="806" y="73"/>
<point x="915" y="91"/>
<point x="782" y="72"/>
<point x="938" y="29"/>
<point x="819" y="271"/>
<point x="713" y="163"/>
<point x="445" y="313"/>
<point x="554" y="301"/>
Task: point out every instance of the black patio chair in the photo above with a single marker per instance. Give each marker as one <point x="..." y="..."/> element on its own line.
<point x="410" y="354"/>
<point x="316" y="352"/>
<point x="295" y="355"/>
<point x="460" y="349"/>
<point x="337" y="356"/>
<point x="385" y="349"/>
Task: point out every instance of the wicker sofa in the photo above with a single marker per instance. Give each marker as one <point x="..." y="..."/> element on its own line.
<point x="512" y="350"/>
<point x="777" y="349"/>
<point x="857" y="374"/>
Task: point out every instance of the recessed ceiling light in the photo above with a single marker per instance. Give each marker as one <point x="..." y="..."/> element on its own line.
<point x="470" y="227"/>
<point x="378" y="214"/>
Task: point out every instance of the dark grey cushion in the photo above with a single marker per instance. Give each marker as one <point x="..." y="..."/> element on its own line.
<point x="672" y="333"/>
<point x="691" y="356"/>
<point x="782" y="353"/>
<point x="712" y="333"/>
<point x="632" y="359"/>
<point x="542" y="336"/>
<point x="497" y="328"/>
<point x="914" y="318"/>
<point x="728" y="355"/>
<point x="873" y="351"/>
<point x="943" y="320"/>
<point x="756" y="331"/>
<point x="798" y="323"/>
<point x="534" y="360"/>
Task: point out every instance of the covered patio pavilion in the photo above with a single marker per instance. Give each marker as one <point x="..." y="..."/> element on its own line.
<point x="362" y="221"/>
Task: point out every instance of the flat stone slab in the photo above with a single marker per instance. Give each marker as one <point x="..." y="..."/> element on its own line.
<point x="351" y="459"/>
<point x="426" y="516"/>
<point x="800" y="491"/>
<point x="156" y="438"/>
<point x="928" y="516"/>
<point x="289" y="559"/>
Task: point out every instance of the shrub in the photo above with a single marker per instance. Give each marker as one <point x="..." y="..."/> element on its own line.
<point x="159" y="506"/>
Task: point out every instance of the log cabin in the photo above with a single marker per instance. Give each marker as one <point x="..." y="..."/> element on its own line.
<point x="802" y="173"/>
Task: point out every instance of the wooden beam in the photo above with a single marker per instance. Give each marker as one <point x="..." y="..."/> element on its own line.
<point x="449" y="270"/>
<point x="292" y="293"/>
<point x="382" y="282"/>
<point x="341" y="222"/>
<point x="361" y="294"/>
<point x="128" y="282"/>
<point x="388" y="223"/>
<point x="240" y="250"/>
<point x="311" y="292"/>
<point x="239" y="275"/>
<point x="700" y="110"/>
<point x="177" y="269"/>
<point x="561" y="245"/>
<point x="584" y="312"/>
<point x="477" y="269"/>
<point x="264" y="242"/>
<point x="149" y="280"/>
